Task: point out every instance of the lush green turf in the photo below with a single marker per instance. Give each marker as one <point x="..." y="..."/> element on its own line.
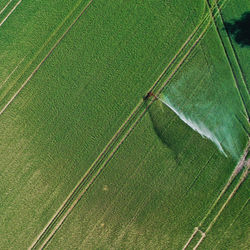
<point x="62" y="119"/>
<point x="152" y="199"/>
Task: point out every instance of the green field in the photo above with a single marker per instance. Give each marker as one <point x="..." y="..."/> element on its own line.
<point x="145" y="200"/>
<point x="84" y="161"/>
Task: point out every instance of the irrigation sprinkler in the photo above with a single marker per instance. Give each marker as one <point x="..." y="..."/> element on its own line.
<point x="148" y="95"/>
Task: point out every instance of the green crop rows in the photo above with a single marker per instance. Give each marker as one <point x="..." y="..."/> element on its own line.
<point x="84" y="161"/>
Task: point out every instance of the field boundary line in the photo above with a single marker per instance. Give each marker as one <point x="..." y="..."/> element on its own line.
<point x="136" y="109"/>
<point x="191" y="48"/>
<point x="3" y="9"/>
<point x="190" y="238"/>
<point x="203" y="235"/>
<point x="44" y="59"/>
<point x="228" y="57"/>
<point x="196" y="29"/>
<point x="242" y="179"/>
<point x="3" y="21"/>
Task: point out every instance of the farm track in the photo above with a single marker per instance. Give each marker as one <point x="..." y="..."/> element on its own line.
<point x="11" y="73"/>
<point x="29" y="67"/>
<point x="117" y="196"/>
<point x="235" y="173"/>
<point x="11" y="11"/>
<point x="100" y="162"/>
<point x="232" y="58"/>
<point x="3" y="9"/>
<point x="235" y="219"/>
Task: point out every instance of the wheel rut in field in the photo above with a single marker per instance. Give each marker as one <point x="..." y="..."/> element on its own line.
<point x="119" y="137"/>
<point x="238" y="169"/>
<point x="47" y="48"/>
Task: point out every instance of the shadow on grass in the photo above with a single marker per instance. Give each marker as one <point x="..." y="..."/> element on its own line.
<point x="240" y="29"/>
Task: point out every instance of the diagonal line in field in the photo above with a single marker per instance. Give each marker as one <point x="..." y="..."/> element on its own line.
<point x="236" y="217"/>
<point x="196" y="229"/>
<point x="231" y="44"/>
<point x="243" y="178"/>
<point x="103" y="154"/>
<point x="236" y="171"/>
<point x="44" y="59"/>
<point x="1" y="23"/>
<point x="3" y="9"/>
<point x="226" y="52"/>
<point x="192" y="47"/>
<point x="116" y="197"/>
<point x="11" y="73"/>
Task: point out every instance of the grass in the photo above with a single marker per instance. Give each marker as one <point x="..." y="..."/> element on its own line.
<point x="62" y="119"/>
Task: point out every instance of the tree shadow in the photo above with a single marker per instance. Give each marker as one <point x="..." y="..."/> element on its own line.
<point x="240" y="29"/>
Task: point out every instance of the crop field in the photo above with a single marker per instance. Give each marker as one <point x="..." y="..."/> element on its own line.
<point x="85" y="162"/>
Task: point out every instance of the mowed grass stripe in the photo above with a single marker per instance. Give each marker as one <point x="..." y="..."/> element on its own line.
<point x="124" y="126"/>
<point x="28" y="66"/>
<point x="232" y="59"/>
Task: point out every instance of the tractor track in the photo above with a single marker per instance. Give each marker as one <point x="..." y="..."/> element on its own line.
<point x="100" y="160"/>
<point x="3" y="9"/>
<point x="239" y="166"/>
<point x="234" y="66"/>
<point x="39" y="53"/>
<point x="11" y="11"/>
